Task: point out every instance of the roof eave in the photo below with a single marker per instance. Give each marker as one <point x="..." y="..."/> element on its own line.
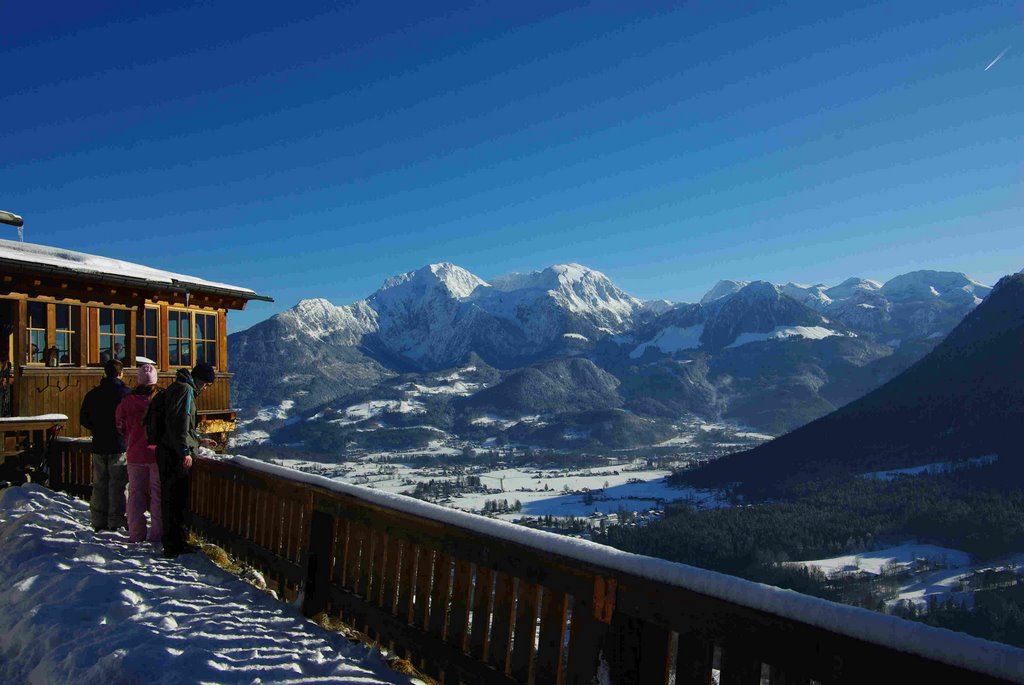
<point x="175" y="285"/>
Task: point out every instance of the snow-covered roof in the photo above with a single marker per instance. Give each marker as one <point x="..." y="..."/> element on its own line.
<point x="105" y="268"/>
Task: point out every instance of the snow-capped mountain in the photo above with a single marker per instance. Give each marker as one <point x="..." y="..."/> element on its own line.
<point x="912" y="306"/>
<point x="770" y="356"/>
<point x="433" y="317"/>
<point x="423" y="314"/>
<point x="318" y="319"/>
<point x="852" y="287"/>
<point x="962" y="400"/>
<point x="940" y="285"/>
<point x="565" y="298"/>
<point x="723" y="289"/>
<point x="754" y="312"/>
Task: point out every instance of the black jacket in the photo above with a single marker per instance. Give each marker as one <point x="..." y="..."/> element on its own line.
<point x="97" y="415"/>
<point x="180" y="434"/>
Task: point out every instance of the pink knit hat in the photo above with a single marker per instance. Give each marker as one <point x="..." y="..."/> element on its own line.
<point x="147" y="375"/>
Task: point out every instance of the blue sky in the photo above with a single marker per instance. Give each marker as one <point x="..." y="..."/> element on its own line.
<point x="314" y="149"/>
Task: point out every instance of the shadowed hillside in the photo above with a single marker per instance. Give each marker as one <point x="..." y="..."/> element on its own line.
<point x="964" y="399"/>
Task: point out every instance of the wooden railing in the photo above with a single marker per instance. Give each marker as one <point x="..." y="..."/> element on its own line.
<point x="23" y="443"/>
<point x="472" y="600"/>
<point x="47" y="390"/>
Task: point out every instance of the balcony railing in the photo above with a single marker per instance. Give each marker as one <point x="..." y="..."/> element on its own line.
<point x="473" y="600"/>
<point x="49" y="390"/>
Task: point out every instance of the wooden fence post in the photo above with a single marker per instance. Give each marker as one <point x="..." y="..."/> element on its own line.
<point x="316" y="591"/>
<point x="54" y="466"/>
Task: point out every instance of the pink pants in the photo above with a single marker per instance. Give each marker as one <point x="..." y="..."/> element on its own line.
<point x="143" y="494"/>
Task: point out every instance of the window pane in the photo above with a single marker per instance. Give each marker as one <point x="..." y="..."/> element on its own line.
<point x="150" y="322"/>
<point x="200" y="326"/>
<point x="120" y="322"/>
<point x="105" y="322"/>
<point x="184" y="326"/>
<point x="150" y="348"/>
<point x="211" y="353"/>
<point x="36" y="315"/>
<point x="172" y="352"/>
<point x="63" y="317"/>
<point x="36" y="346"/>
<point x="172" y="325"/>
<point x="186" y="355"/>
<point x="64" y="347"/>
<point x="211" y="327"/>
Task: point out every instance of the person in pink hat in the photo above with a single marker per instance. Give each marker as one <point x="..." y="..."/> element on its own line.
<point x="143" y="474"/>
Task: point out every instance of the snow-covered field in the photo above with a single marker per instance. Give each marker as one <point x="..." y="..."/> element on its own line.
<point x="81" y="607"/>
<point x="253" y="437"/>
<point x="928" y="571"/>
<point x="936" y="467"/>
<point x="374" y="408"/>
<point x="784" y="332"/>
<point x="279" y="411"/>
<point x="874" y="562"/>
<point x="541" y="492"/>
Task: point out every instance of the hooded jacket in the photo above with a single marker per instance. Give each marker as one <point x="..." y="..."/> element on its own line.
<point x="97" y="415"/>
<point x="180" y="434"/>
<point x="129" y="424"/>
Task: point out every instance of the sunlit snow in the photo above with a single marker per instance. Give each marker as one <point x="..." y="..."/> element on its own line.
<point x="84" y="607"/>
<point x="783" y="332"/>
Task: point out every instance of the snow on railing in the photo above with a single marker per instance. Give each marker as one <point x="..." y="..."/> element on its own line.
<point x="483" y="600"/>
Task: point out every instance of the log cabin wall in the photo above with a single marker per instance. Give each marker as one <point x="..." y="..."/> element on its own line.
<point x="43" y="390"/>
<point x="56" y="383"/>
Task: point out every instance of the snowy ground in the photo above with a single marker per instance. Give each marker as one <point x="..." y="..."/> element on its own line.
<point x="943" y="570"/>
<point x="80" y="607"/>
<point x="935" y="467"/>
<point x="542" y="492"/>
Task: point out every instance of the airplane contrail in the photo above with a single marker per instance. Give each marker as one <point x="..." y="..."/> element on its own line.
<point x="998" y="57"/>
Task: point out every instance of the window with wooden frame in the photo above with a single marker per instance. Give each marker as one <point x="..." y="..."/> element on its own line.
<point x="66" y="329"/>
<point x="206" y="338"/>
<point x="113" y="335"/>
<point x="147" y="340"/>
<point x="36" y="332"/>
<point x="179" y="338"/>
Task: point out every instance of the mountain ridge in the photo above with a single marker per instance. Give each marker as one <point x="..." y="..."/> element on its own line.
<point x="754" y="345"/>
<point x="961" y="400"/>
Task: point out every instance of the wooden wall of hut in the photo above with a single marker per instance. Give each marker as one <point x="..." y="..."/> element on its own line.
<point x="42" y="390"/>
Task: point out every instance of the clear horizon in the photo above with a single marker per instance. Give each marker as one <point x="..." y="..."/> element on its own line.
<point x="315" y="151"/>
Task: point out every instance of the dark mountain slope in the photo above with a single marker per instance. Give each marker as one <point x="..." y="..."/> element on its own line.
<point x="964" y="399"/>
<point x="271" y="362"/>
<point x="561" y="385"/>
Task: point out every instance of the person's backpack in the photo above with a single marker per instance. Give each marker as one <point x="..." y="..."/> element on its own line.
<point x="155" y="419"/>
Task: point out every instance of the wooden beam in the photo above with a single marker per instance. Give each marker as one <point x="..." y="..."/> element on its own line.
<point x="161" y="342"/>
<point x="130" y="339"/>
<point x="222" y="340"/>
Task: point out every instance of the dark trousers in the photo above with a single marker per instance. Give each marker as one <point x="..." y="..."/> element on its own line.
<point x="109" y="479"/>
<point x="174" y="491"/>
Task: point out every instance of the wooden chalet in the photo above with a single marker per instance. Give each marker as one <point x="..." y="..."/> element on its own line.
<point x="64" y="313"/>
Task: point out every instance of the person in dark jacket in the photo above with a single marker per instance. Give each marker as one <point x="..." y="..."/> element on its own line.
<point x="109" y="467"/>
<point x="178" y="445"/>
